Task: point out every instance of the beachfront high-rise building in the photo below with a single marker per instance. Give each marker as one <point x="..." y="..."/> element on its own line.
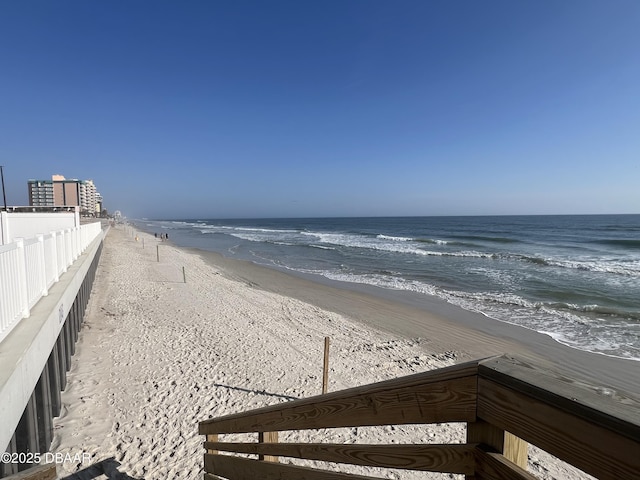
<point x="40" y="193"/>
<point x="87" y="196"/>
<point x="60" y="192"/>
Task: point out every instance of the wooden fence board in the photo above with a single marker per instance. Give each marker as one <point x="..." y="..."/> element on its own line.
<point x="268" y="437"/>
<point x="494" y="466"/>
<point x="457" y="458"/>
<point x="614" y="410"/>
<point x="237" y="468"/>
<point x="210" y="476"/>
<point x="325" y="405"/>
<point x="446" y="401"/>
<point x="38" y="472"/>
<point x="591" y="447"/>
<point x="511" y="447"/>
<point x="505" y="401"/>
<point x="212" y="438"/>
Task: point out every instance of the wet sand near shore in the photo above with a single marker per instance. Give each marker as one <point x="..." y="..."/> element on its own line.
<point x="450" y="327"/>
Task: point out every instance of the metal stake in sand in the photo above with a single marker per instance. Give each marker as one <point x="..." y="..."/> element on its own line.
<point x="325" y="370"/>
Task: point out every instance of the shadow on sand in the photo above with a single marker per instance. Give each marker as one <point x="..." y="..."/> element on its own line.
<point x="259" y="392"/>
<point x="107" y="467"/>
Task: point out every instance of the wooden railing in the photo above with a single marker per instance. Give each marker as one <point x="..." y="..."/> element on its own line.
<point x="505" y="402"/>
<point x="39" y="472"/>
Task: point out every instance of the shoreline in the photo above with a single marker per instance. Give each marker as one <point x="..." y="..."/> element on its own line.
<point x="420" y="315"/>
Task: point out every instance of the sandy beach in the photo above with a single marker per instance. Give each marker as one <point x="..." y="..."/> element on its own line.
<point x="157" y="355"/>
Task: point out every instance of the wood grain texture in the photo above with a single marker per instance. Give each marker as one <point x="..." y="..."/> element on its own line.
<point x="235" y="468"/>
<point x="432" y="458"/>
<point x="494" y="466"/>
<point x="596" y="449"/>
<point x="212" y="438"/>
<point x="487" y="434"/>
<point x="268" y="437"/>
<point x="614" y="410"/>
<point x="506" y="402"/>
<point x="511" y="447"/>
<point x="342" y="408"/>
<point x="210" y="476"/>
<point x="516" y="450"/>
<point x="445" y="401"/>
<point x="39" y="472"/>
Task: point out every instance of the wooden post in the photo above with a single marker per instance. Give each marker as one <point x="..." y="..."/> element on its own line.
<point x="212" y="438"/>
<point x="143" y="243"/>
<point x="516" y="450"/>
<point x="158" y="253"/>
<point x="184" y="276"/>
<point x="325" y="370"/>
<point x="511" y="447"/>
<point x="268" y="437"/>
<point x="45" y="471"/>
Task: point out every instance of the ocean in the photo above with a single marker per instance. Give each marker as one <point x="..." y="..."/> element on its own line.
<point x="575" y="278"/>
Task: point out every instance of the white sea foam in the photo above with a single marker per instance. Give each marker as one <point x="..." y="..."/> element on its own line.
<point x="389" y="244"/>
<point x="564" y="326"/>
<point x="600" y="265"/>
<point x="384" y="243"/>
<point x="396" y="239"/>
<point x="383" y="281"/>
<point x="321" y="247"/>
<point x="264" y="230"/>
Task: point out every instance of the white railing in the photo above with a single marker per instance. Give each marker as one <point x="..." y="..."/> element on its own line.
<point x="61" y="252"/>
<point x="34" y="263"/>
<point x="50" y="259"/>
<point x="29" y="267"/>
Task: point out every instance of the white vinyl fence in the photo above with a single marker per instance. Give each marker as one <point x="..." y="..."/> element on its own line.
<point x="29" y="267"/>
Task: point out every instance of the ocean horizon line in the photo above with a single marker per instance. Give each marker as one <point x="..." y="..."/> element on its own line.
<point x="196" y="218"/>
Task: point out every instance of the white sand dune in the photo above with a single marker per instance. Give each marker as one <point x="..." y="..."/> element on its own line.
<point x="157" y="355"/>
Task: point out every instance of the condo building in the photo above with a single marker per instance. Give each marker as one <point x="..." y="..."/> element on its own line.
<point x="60" y="192"/>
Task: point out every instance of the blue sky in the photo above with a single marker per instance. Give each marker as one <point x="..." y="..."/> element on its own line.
<point x="207" y="109"/>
